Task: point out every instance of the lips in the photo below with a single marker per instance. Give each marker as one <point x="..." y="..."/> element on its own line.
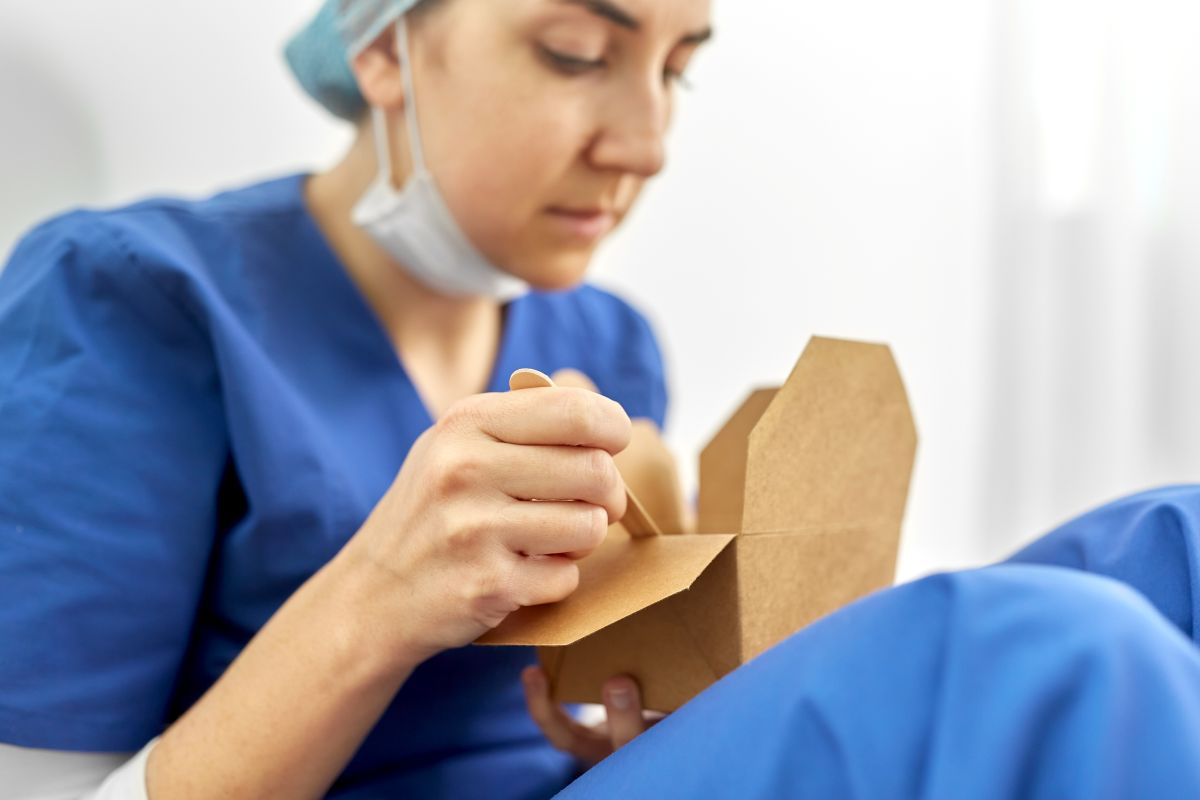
<point x="584" y="223"/>
<point x="580" y="211"/>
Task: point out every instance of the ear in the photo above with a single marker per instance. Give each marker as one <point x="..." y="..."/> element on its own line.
<point x="377" y="70"/>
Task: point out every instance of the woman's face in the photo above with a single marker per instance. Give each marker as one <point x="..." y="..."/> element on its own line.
<point x="542" y="119"/>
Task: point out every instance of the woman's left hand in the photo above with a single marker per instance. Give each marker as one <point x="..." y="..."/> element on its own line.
<point x="622" y="699"/>
<point x="588" y="743"/>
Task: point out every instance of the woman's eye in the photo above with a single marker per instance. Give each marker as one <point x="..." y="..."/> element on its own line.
<point x="570" y="65"/>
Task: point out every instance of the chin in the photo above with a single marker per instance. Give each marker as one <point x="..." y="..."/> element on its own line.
<point x="555" y="272"/>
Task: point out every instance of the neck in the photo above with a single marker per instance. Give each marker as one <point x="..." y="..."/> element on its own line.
<point x="426" y="327"/>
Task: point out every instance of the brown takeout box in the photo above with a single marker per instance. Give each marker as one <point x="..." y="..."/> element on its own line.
<point x="801" y="499"/>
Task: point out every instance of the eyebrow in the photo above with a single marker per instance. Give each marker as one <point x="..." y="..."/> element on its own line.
<point x="622" y="18"/>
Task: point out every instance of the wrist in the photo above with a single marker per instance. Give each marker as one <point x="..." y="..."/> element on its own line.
<point x="372" y="626"/>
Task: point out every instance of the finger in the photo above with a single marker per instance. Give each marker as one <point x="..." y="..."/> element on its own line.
<point x="545" y="472"/>
<point x="537" y="580"/>
<point x="623" y="702"/>
<point x="573" y="377"/>
<point x="552" y="528"/>
<point x="552" y="416"/>
<point x="562" y="730"/>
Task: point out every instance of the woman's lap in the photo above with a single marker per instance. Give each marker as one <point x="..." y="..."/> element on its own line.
<point x="1018" y="680"/>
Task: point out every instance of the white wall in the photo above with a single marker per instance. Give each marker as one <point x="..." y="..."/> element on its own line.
<point x="179" y="97"/>
<point x="830" y="174"/>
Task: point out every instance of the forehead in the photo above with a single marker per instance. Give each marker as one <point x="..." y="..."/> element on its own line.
<point x="678" y="18"/>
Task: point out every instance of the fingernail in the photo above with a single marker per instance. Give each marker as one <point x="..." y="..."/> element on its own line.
<point x="620" y="699"/>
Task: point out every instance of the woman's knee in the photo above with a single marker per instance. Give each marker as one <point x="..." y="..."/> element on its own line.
<point x="1044" y="629"/>
<point x="1148" y="541"/>
<point x="1040" y="600"/>
<point x="1156" y="522"/>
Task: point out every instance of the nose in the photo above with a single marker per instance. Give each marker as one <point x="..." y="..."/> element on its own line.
<point x="631" y="135"/>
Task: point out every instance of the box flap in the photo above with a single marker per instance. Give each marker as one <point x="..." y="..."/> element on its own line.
<point x="790" y="579"/>
<point x="836" y="444"/>
<point x="723" y="466"/>
<point x="619" y="578"/>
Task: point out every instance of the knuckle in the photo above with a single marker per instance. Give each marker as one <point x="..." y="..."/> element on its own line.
<point x="510" y="516"/>
<point x="569" y="580"/>
<point x="617" y="500"/>
<point x="579" y="413"/>
<point x="450" y="421"/>
<point x="487" y="589"/>
<point x="553" y="581"/>
<point x="464" y="538"/>
<point x="596" y="526"/>
<point x="477" y="587"/>
<point x="598" y="468"/>
<point x="457" y="471"/>
<point x="464" y="414"/>
<point x="622" y="423"/>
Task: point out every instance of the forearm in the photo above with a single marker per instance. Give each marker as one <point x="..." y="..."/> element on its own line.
<point x="292" y="709"/>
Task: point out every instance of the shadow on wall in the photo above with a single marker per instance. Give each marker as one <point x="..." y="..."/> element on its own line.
<point x="50" y="149"/>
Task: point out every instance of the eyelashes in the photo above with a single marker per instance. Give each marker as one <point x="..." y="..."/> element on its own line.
<point x="573" y="66"/>
<point x="568" y="64"/>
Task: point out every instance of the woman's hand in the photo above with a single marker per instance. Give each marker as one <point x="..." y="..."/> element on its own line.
<point x="590" y="744"/>
<point x="458" y="542"/>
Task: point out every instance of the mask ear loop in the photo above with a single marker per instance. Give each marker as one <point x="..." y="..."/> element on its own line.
<point x="410" y="96"/>
<point x="379" y="118"/>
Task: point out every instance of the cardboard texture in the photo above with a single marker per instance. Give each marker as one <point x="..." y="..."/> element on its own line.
<point x="802" y="494"/>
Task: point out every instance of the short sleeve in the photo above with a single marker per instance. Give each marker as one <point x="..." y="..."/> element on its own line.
<point x="113" y="447"/>
<point x="632" y="371"/>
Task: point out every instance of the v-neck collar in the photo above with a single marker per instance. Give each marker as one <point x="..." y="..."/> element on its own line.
<point x="371" y="332"/>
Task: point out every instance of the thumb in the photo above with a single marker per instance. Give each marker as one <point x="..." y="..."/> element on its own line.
<point x="574" y="379"/>
<point x="623" y="702"/>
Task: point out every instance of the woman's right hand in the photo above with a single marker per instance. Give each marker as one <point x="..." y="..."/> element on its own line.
<point x="458" y="542"/>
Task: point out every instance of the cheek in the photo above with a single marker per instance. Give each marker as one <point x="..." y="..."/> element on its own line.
<point x="500" y="170"/>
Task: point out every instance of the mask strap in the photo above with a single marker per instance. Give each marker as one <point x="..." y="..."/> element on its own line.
<point x="410" y="95"/>
<point x="379" y="118"/>
<point x="382" y="154"/>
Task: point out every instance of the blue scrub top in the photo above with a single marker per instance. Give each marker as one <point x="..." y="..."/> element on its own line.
<point x="197" y="410"/>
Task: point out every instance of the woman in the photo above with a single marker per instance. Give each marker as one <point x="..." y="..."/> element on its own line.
<point x="256" y="500"/>
<point x="247" y="374"/>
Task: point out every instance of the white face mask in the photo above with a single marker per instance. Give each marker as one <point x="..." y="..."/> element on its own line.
<point x="414" y="224"/>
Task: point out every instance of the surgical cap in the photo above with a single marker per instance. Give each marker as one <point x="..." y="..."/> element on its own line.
<point x="319" y="55"/>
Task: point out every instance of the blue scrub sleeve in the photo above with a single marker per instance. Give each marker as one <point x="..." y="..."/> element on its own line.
<point x="113" y="451"/>
<point x="638" y="380"/>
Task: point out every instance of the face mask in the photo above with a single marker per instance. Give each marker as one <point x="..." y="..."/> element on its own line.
<point x="414" y="224"/>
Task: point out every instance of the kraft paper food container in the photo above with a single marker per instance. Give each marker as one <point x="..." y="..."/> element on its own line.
<point x="802" y="495"/>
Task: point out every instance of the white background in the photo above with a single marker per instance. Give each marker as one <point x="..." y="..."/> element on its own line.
<point x="850" y="168"/>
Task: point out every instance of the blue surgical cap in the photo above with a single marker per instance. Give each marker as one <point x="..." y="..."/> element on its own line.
<point x="319" y="55"/>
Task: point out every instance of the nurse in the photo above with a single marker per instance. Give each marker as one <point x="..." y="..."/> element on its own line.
<point x="254" y="499"/>
<point x="259" y="482"/>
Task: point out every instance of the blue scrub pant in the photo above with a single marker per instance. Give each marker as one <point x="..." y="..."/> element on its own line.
<point x="1069" y="671"/>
